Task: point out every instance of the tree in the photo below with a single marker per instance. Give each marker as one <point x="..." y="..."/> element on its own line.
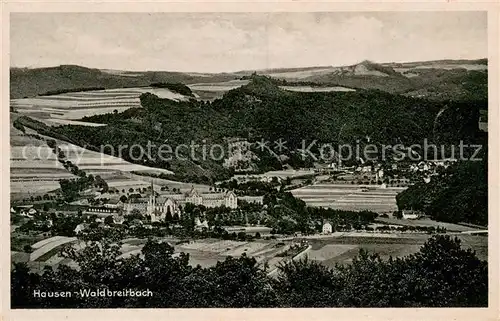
<point x="109" y="220"/>
<point x="189" y="208"/>
<point x="134" y="214"/>
<point x="168" y="216"/>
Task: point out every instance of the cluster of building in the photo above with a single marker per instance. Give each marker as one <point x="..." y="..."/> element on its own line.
<point x="158" y="207"/>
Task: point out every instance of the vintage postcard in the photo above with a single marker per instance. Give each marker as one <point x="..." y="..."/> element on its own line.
<point x="250" y="156"/>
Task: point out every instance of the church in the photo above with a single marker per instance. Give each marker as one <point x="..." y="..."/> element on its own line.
<point x="158" y="207"/>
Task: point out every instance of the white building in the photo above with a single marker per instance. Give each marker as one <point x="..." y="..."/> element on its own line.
<point x="327" y="228"/>
<point x="118" y="219"/>
<point x="81" y="227"/>
<point x="158" y="207"/>
<point x="199" y="225"/>
<point x="411" y="215"/>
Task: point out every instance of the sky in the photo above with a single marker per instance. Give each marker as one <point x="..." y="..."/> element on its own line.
<point x="224" y="42"/>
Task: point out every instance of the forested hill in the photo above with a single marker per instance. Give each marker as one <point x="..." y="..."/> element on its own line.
<point x="435" y="80"/>
<point x="458" y="194"/>
<point x="345" y="117"/>
<point x="26" y="82"/>
<point x="261" y="110"/>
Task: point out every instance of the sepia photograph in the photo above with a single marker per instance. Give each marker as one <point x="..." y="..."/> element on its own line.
<point x="334" y="159"/>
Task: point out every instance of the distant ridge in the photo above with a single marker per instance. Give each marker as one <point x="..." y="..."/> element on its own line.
<point x="406" y="77"/>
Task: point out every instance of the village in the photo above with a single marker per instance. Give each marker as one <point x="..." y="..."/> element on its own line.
<point x="231" y="211"/>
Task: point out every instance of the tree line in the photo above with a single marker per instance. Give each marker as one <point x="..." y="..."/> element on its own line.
<point x="441" y="274"/>
<point x="458" y="194"/>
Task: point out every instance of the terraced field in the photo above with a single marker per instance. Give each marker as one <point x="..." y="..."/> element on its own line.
<point x="34" y="169"/>
<point x="64" y="108"/>
<point x="98" y="163"/>
<point x="349" y="197"/>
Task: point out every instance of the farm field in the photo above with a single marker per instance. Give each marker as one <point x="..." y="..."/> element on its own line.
<point x="208" y="252"/>
<point x="57" y="122"/>
<point x="34" y="169"/>
<point x="48" y="246"/>
<point x="18" y="138"/>
<point x="123" y="181"/>
<point x="60" y="109"/>
<point x="439" y="65"/>
<point x="450" y="227"/>
<point x="280" y="174"/>
<point x="205" y="252"/>
<point x="217" y="86"/>
<point x="349" y="197"/>
<point x="342" y="250"/>
<point x="309" y="89"/>
<point x="98" y="163"/>
<point x="300" y="74"/>
<point x="158" y="182"/>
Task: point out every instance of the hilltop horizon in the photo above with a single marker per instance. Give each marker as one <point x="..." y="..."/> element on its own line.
<point x="478" y="60"/>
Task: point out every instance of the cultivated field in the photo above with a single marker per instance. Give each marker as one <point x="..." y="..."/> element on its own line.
<point x="300" y="74"/>
<point x="343" y="249"/>
<point x="99" y="163"/>
<point x="218" y="86"/>
<point x="18" y="138"/>
<point x="208" y="252"/>
<point x="450" y="227"/>
<point x="48" y="246"/>
<point x="205" y="252"/>
<point x="309" y="89"/>
<point x="35" y="170"/>
<point x="349" y="197"/>
<point x="283" y="174"/>
<point x="60" y="109"/>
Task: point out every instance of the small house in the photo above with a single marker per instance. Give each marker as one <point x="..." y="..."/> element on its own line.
<point x="411" y="214"/>
<point x="81" y="227"/>
<point x="327" y="228"/>
<point x="118" y="219"/>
